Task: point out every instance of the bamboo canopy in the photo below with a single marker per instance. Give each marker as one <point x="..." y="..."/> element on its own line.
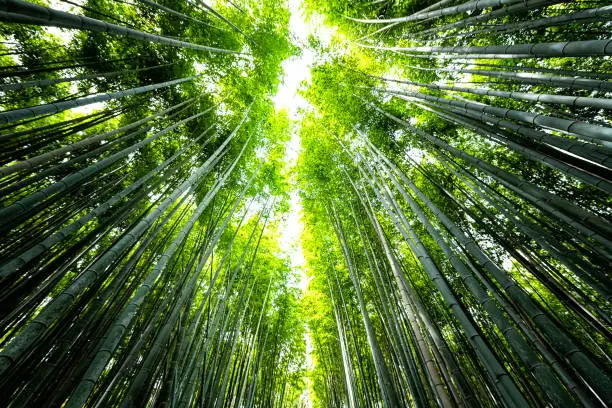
<point x="271" y="203"/>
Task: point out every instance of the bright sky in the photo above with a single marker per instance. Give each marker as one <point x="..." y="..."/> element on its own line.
<point x="297" y="70"/>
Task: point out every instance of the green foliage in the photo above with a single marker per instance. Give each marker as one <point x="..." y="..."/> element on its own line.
<point x="199" y="262"/>
<point x="456" y="205"/>
<point x="517" y="239"/>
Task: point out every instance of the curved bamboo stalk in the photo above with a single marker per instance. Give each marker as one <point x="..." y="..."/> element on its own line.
<point x="462" y="8"/>
<point x="508" y="390"/>
<point x="542" y="373"/>
<point x="384" y="377"/>
<point x="583" y="364"/>
<point x="115" y="333"/>
<point x="90" y="141"/>
<point x="225" y="20"/>
<point x="426" y="354"/>
<point x="594" y="153"/>
<point x="500" y="13"/>
<point x="533" y="154"/>
<point x="587" y="223"/>
<point x="48" y="82"/>
<point x="585" y="130"/>
<point x="558" y="79"/>
<point x="580" y="17"/>
<point x="56" y="107"/>
<point x="14" y="211"/>
<point x="434" y="6"/>
<point x="13" y="265"/>
<point x="586" y="48"/>
<point x="137" y="387"/>
<point x="580" y="101"/>
<point x="32" y="331"/>
<point x="20" y="11"/>
<point x="176" y="13"/>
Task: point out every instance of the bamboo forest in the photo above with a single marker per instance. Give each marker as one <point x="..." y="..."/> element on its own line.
<point x="305" y="203"/>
